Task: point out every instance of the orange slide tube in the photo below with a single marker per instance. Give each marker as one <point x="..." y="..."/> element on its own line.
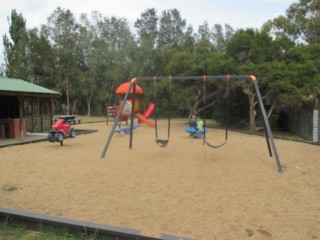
<point x="144" y="120"/>
<point x="149" y="110"/>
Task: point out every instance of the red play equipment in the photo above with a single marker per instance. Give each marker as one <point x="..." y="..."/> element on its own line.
<point x="149" y="110"/>
<point x="113" y="110"/>
<point x="60" y="130"/>
<point x="144" y="118"/>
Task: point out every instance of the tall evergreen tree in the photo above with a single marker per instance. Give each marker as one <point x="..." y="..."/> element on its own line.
<point x="16" y="47"/>
<point x="171" y="31"/>
<point x="147" y="29"/>
<point x="63" y="29"/>
<point x="41" y="59"/>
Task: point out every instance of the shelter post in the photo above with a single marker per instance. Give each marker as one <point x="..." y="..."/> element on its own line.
<point x="21" y="99"/>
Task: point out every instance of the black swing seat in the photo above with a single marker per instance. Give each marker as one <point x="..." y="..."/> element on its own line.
<point x="162" y="143"/>
<point x="215" y="146"/>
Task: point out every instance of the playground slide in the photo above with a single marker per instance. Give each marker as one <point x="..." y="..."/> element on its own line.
<point x="144" y="120"/>
<point x="149" y="110"/>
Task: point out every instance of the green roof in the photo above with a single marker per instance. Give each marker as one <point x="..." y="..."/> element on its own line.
<point x="18" y="85"/>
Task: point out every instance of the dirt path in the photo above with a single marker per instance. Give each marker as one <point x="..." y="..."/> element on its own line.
<point x="185" y="189"/>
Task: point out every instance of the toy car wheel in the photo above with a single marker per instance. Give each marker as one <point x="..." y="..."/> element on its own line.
<point x="72" y="133"/>
<point x="58" y="137"/>
<point x="50" y="137"/>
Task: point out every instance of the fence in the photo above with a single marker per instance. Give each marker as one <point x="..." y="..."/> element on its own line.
<point x="305" y="123"/>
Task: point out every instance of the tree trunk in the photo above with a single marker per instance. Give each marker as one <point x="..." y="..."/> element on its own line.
<point x="316" y="100"/>
<point x="272" y="107"/>
<point x="249" y="91"/>
<point x="67" y="93"/>
<point x="193" y="107"/>
<point x="75" y="106"/>
<point x="252" y="111"/>
<point x="88" y="99"/>
<point x="89" y="105"/>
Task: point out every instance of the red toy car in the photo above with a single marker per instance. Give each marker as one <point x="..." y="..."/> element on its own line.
<point x="60" y="131"/>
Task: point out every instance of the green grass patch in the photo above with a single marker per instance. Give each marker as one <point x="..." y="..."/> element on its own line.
<point x="11" y="231"/>
<point x="88" y="119"/>
<point x="211" y="123"/>
<point x="9" y="188"/>
<point x="249" y="232"/>
<point x="92" y="119"/>
<point x="284" y="167"/>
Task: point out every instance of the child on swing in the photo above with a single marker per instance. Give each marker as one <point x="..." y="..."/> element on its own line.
<point x="196" y="123"/>
<point x="193" y="122"/>
<point x="199" y="124"/>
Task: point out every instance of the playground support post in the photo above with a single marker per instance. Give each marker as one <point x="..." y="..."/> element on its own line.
<point x="228" y="104"/>
<point x="116" y="121"/>
<point x="268" y="132"/>
<point x="132" y="112"/>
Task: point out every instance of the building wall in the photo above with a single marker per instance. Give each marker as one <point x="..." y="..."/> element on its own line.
<point x="38" y="114"/>
<point x="10" y="128"/>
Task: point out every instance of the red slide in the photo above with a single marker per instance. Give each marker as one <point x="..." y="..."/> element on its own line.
<point x="144" y="120"/>
<point x="149" y="110"/>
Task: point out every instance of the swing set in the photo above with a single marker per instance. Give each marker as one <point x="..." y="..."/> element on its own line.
<point x="164" y="142"/>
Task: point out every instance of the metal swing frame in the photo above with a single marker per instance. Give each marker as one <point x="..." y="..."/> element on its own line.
<point x="268" y="133"/>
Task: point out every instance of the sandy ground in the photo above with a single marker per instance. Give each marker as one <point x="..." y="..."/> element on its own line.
<point x="185" y="189"/>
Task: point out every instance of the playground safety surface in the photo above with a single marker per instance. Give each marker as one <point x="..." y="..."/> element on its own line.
<point x="185" y="189"/>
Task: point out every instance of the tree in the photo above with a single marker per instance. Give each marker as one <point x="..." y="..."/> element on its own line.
<point x="255" y="52"/>
<point x="171" y="31"/>
<point x="147" y="28"/>
<point x="87" y="64"/>
<point x="281" y="27"/>
<point x="62" y="28"/>
<point x="180" y="63"/>
<point x="41" y="59"/>
<point x="146" y="54"/>
<point x="203" y="47"/>
<point x="277" y="87"/>
<point x="304" y="70"/>
<point x="314" y="66"/>
<point x="15" y="49"/>
<point x="114" y="51"/>
<point x="189" y="40"/>
<point x="221" y="36"/>
<point x="302" y="22"/>
<point x="305" y="15"/>
<point x="250" y="45"/>
<point x="203" y="33"/>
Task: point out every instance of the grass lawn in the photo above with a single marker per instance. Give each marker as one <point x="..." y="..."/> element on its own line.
<point x="89" y="119"/>
<point x="11" y="231"/>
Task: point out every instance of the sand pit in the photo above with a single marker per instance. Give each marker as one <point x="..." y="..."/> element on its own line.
<point x="185" y="189"/>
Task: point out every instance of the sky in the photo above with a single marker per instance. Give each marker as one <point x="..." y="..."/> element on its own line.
<point x="237" y="13"/>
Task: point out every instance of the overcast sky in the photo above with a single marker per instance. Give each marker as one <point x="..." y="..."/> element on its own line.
<point x="237" y="13"/>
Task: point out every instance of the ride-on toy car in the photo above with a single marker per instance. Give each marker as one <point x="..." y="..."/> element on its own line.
<point x="60" y="131"/>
